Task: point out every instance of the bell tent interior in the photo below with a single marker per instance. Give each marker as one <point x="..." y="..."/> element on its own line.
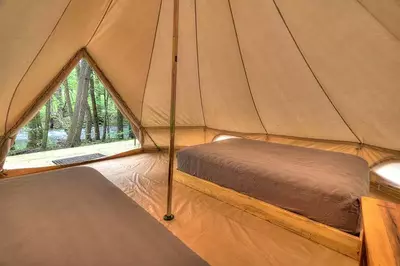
<point x="262" y="124"/>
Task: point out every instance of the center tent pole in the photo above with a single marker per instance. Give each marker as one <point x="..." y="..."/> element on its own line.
<point x="169" y="216"/>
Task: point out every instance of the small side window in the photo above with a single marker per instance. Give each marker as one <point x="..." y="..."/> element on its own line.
<point x="224" y="137"/>
<point x="389" y="171"/>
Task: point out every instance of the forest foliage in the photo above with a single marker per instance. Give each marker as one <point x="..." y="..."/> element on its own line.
<point x="80" y="112"/>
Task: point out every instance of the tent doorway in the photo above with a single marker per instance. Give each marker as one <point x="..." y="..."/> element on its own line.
<point x="79" y="119"/>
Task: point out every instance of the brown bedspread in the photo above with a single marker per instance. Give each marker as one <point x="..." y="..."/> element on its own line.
<point x="77" y="217"/>
<point x="323" y="186"/>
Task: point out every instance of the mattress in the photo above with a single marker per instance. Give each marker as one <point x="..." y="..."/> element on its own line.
<point x="77" y="217"/>
<point x="321" y="185"/>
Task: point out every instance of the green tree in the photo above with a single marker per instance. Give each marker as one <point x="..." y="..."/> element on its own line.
<point x="46" y="125"/>
<point x="94" y="107"/>
<point x="120" y="125"/>
<point x="75" y="130"/>
<point x="35" y="132"/>
<point x="105" y="123"/>
<point x="67" y="97"/>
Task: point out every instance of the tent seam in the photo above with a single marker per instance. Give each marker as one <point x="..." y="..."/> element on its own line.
<point x="312" y="72"/>
<point x="379" y="22"/>
<point x="100" y="22"/>
<point x="244" y="68"/>
<point x="33" y="61"/>
<point x="198" y="62"/>
<point x="151" y="60"/>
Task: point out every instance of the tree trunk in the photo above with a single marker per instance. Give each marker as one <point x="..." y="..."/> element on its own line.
<point x="75" y="130"/>
<point x="94" y="106"/>
<point x="120" y="125"/>
<point x="35" y="133"/>
<point x="46" y="125"/>
<point x="59" y="98"/>
<point x="103" y="136"/>
<point x="78" y="68"/>
<point x="88" y="130"/>
<point x="131" y="135"/>
<point x="68" y="97"/>
<point x="108" y="123"/>
<point x="105" y="124"/>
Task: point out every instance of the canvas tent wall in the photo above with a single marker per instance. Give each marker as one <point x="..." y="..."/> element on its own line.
<point x="316" y="73"/>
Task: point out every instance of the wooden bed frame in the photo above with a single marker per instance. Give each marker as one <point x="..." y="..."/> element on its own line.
<point x="327" y="236"/>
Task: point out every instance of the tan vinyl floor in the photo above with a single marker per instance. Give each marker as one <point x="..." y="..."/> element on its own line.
<point x="218" y="232"/>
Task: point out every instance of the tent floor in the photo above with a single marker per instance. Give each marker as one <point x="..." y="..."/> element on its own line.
<point x="218" y="232"/>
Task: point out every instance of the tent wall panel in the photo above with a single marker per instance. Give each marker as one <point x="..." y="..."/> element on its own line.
<point x="284" y="88"/>
<point x="386" y="12"/>
<point x="227" y="101"/>
<point x="343" y="147"/>
<point x="73" y="32"/>
<point x="373" y="155"/>
<point x="123" y="46"/>
<point x="196" y="135"/>
<point x="25" y="27"/>
<point x="212" y="133"/>
<point x="155" y="108"/>
<point x="337" y="146"/>
<point x="357" y="60"/>
<point x="184" y="136"/>
<point x="189" y="110"/>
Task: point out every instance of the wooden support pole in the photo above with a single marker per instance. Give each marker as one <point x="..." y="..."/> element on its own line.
<point x="169" y="216"/>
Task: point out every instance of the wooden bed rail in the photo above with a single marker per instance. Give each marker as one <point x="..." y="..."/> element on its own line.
<point x="327" y="236"/>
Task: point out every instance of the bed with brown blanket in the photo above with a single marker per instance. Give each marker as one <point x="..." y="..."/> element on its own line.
<point x="323" y="186"/>
<point x="77" y="217"/>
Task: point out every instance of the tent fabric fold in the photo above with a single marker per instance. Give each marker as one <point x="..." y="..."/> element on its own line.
<point x="5" y="147"/>
<point x="318" y="71"/>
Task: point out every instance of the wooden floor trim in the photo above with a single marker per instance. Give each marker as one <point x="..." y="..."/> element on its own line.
<point x="327" y="236"/>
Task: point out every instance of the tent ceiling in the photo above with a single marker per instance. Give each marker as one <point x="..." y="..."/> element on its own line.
<point x="386" y="12"/>
<point x="15" y="34"/>
<point x="309" y="68"/>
